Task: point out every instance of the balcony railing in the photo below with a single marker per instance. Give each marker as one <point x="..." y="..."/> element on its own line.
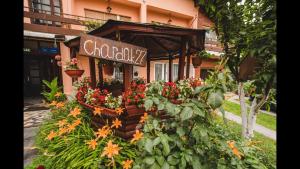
<point x="59" y="23"/>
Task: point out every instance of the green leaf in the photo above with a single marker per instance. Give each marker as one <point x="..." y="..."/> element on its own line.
<point x="223" y="114"/>
<point x="169" y="107"/>
<point x="165" y="165"/>
<point x="215" y="100"/>
<point x="166" y="147"/>
<point x="155" y="166"/>
<point x="148" y="104"/>
<point x="196" y="163"/>
<point x="198" y="111"/>
<point x="155" y="100"/>
<point x="198" y="89"/>
<point x="182" y="163"/>
<point x="149" y="160"/>
<point x="180" y="131"/>
<point x="172" y="160"/>
<point x="149" y="145"/>
<point x="156" y="141"/>
<point x="160" y="160"/>
<point x="160" y="106"/>
<point x="186" y="113"/>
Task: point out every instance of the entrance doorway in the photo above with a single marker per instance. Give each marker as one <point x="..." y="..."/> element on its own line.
<point x="38" y="67"/>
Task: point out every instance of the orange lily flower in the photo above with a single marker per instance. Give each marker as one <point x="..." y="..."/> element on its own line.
<point x="97" y="111"/>
<point x="119" y="110"/>
<point x="103" y="132"/>
<point x="58" y="94"/>
<point x="51" y="135"/>
<point x="75" y="112"/>
<point x="62" y="131"/>
<point x="116" y="123"/>
<point x="62" y="122"/>
<point x="144" y="118"/>
<point x="234" y="149"/>
<point x="110" y="150"/>
<point x="71" y="127"/>
<point x="92" y="144"/>
<point x="60" y="104"/>
<point x="77" y="122"/>
<point x="137" y="136"/>
<point x="127" y="164"/>
<point x="53" y="103"/>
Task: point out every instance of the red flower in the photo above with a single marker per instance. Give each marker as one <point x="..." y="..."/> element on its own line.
<point x="40" y="167"/>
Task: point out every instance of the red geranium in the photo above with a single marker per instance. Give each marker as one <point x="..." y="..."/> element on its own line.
<point x="136" y="93"/>
<point x="170" y="90"/>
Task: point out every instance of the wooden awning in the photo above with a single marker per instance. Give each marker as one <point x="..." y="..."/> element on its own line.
<point x="160" y="40"/>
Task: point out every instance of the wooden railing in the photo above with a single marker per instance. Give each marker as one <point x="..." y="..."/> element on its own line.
<point x="58" y="23"/>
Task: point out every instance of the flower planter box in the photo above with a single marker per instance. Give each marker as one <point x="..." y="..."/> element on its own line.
<point x="130" y="119"/>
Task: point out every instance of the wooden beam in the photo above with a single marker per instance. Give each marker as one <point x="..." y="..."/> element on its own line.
<point x="92" y="71"/>
<point x="51" y="29"/>
<point x="148" y="68"/>
<point x="170" y="68"/>
<point x="182" y="59"/>
<point x="160" y="44"/>
<point x="187" y="75"/>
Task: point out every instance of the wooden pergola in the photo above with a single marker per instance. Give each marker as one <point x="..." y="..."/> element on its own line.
<point x="163" y="42"/>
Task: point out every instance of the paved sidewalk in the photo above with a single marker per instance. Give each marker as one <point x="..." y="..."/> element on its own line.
<point x="235" y="99"/>
<point x="258" y="128"/>
<point x="34" y="114"/>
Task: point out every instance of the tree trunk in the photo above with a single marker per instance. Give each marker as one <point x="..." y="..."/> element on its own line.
<point x="252" y="119"/>
<point x="243" y="109"/>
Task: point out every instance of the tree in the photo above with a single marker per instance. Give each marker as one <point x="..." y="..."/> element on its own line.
<point x="247" y="29"/>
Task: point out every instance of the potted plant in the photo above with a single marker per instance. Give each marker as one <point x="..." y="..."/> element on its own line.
<point x="197" y="60"/>
<point x="72" y="69"/>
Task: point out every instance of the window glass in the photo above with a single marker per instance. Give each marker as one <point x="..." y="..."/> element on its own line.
<point x="175" y="72"/>
<point x="158" y="72"/>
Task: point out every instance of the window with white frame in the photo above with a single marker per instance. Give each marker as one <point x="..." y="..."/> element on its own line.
<point x="161" y="71"/>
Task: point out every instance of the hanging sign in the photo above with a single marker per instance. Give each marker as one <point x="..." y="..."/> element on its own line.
<point x="112" y="50"/>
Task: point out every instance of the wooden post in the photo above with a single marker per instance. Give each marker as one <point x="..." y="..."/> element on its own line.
<point x="170" y="68"/>
<point x="148" y="67"/>
<point x="187" y="75"/>
<point x="127" y="75"/>
<point x="92" y="71"/>
<point x="100" y="69"/>
<point x="182" y="59"/>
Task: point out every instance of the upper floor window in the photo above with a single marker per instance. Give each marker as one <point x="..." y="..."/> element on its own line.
<point x="51" y="7"/>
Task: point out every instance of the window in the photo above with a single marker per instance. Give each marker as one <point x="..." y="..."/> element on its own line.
<point x="51" y="7"/>
<point x="211" y="36"/>
<point x="118" y="73"/>
<point x="162" y="71"/>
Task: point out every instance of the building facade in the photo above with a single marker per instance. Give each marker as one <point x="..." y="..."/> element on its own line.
<point x="48" y="23"/>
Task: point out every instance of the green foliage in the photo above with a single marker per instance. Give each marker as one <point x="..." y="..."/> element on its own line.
<point x="54" y="89"/>
<point x="92" y="24"/>
<point x="190" y="138"/>
<point x="246" y="30"/>
<point x="71" y="150"/>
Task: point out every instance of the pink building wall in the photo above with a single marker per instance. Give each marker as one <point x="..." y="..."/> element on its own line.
<point x="183" y="13"/>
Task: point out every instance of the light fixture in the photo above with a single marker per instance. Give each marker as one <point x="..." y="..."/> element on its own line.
<point x="55" y="45"/>
<point x="108" y="7"/>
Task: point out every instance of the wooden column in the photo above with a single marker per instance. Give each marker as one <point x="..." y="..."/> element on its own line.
<point x="170" y="68"/>
<point x="100" y="69"/>
<point x="92" y="71"/>
<point x="127" y="75"/>
<point x="148" y="68"/>
<point x="188" y="58"/>
<point x="182" y="59"/>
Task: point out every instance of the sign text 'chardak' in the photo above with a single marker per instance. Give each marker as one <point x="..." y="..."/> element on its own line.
<point x="112" y="50"/>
